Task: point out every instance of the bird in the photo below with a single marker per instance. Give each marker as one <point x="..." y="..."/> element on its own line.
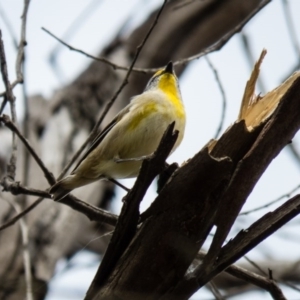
<point x="118" y="150"/>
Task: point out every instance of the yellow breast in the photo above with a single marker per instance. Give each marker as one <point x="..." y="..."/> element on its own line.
<point x="168" y="85"/>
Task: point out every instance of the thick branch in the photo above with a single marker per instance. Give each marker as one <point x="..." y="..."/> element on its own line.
<point x="278" y="131"/>
<point x="128" y="220"/>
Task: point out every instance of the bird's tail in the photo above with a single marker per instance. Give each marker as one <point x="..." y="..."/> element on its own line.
<point x="61" y="189"/>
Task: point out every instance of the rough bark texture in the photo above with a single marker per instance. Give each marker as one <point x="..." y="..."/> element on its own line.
<point x="181" y="217"/>
<point x="58" y="231"/>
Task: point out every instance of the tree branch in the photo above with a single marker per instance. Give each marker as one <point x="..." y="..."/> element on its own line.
<point x="224" y="101"/>
<point x="26" y="253"/>
<point x="254" y="163"/>
<point x="253" y="278"/>
<point x="109" y="104"/>
<point x="245" y="241"/>
<point x="92" y="212"/>
<point x="11" y="168"/>
<point x="9" y="124"/>
<point x="128" y="219"/>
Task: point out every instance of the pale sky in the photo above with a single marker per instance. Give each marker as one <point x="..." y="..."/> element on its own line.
<point x="200" y="93"/>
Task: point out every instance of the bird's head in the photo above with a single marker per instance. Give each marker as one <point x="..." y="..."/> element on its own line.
<point x="165" y="80"/>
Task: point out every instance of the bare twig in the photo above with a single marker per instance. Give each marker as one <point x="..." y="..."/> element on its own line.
<point x="265" y="283"/>
<point x="224" y="101"/>
<point x="287" y="195"/>
<point x="8" y="87"/>
<point x="261" y="281"/>
<point x="9" y="27"/>
<point x="291" y="28"/>
<point x="20" y="66"/>
<point x="69" y="146"/>
<point x="13" y="220"/>
<point x="26" y="254"/>
<point x="11" y="168"/>
<point x="12" y="165"/>
<point x="92" y="212"/>
<point x="9" y="124"/>
<point x="241" y="244"/>
<point x="293" y="36"/>
<point x="292" y="286"/>
<point x="295" y="153"/>
<point x="16" y="188"/>
<point x="113" y="99"/>
<point x="260" y="229"/>
<point x="74" y="26"/>
<point x="215" y="291"/>
<point x="218" y="45"/>
<point x="255" y="265"/>
<point x="101" y="59"/>
<point x="25" y="122"/>
<point x="22" y="44"/>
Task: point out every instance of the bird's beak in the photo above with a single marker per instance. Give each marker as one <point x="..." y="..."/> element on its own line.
<point x="169" y="68"/>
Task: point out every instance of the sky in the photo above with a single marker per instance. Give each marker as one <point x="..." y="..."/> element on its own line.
<point x="200" y="92"/>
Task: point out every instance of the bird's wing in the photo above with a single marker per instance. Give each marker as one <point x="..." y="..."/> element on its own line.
<point x="101" y="135"/>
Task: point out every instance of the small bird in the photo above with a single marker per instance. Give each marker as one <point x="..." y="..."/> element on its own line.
<point x="134" y="133"/>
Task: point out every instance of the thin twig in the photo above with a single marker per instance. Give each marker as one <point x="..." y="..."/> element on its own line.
<point x="119" y="184"/>
<point x="215" y="291"/>
<point x="9" y="124"/>
<point x="10" y="30"/>
<point x="69" y="146"/>
<point x="255" y="265"/>
<point x="13" y="220"/>
<point x="101" y="59"/>
<point x="16" y="188"/>
<point x="201" y="255"/>
<point x="292" y="286"/>
<point x="218" y="45"/>
<point x="294" y="152"/>
<point x="26" y="254"/>
<point x="258" y="280"/>
<point x="25" y="123"/>
<point x="20" y="67"/>
<point x="291" y="27"/>
<point x="265" y="283"/>
<point x="113" y="99"/>
<point x="224" y="101"/>
<point x="92" y="212"/>
<point x="9" y="27"/>
<point x="11" y="168"/>
<point x="22" y="44"/>
<point x="287" y="195"/>
<point x="74" y="26"/>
